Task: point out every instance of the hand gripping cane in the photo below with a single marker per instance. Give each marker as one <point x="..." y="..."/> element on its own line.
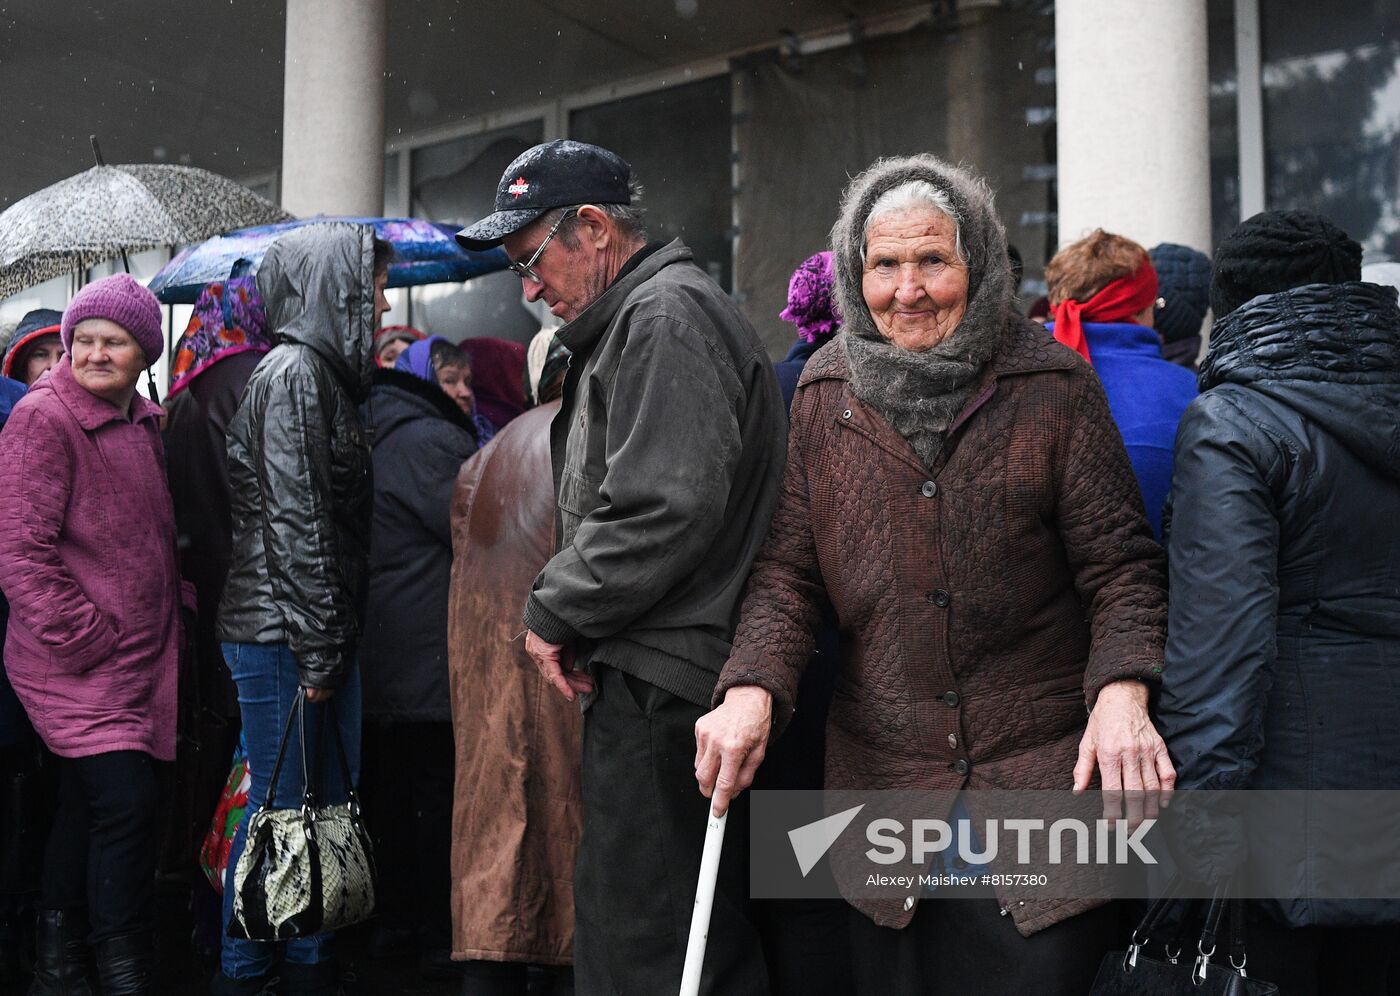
<point x="704" y="902"/>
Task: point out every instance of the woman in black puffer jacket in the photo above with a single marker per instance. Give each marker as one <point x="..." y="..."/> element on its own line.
<point x="1283" y="648"/>
<point x="419" y="416"/>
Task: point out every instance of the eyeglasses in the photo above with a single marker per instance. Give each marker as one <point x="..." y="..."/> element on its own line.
<point x="526" y="270"/>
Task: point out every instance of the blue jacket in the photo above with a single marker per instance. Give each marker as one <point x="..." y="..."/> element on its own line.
<point x="1147" y="396"/>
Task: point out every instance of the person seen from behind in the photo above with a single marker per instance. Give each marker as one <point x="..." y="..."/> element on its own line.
<point x="1183" y="289"/>
<point x="1283" y="648"/>
<point x="1103" y="291"/>
<point x="293" y="606"/>
<point x="421" y="437"/>
<point x="517" y="813"/>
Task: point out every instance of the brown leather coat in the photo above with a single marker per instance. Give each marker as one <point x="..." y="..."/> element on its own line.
<point x="983" y="601"/>
<point x="517" y="813"/>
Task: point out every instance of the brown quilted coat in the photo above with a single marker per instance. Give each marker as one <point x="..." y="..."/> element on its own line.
<point x="983" y="602"/>
<point x="517" y="811"/>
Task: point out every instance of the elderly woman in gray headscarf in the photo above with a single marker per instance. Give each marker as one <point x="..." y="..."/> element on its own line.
<point x="958" y="490"/>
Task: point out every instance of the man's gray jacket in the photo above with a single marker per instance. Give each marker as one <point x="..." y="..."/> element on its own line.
<point x="668" y="456"/>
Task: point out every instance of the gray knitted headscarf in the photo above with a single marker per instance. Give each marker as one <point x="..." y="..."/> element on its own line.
<point x="920" y="393"/>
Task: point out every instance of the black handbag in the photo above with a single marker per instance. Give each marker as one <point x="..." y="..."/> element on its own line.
<point x="303" y="871"/>
<point x="1206" y="972"/>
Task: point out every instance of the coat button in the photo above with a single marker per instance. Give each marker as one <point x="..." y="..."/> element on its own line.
<point x="846" y="413"/>
<point x="961" y="767"/>
<point x="953" y="740"/>
<point x="951" y="699"/>
<point x="908" y="902"/>
<point x="929" y="489"/>
<point x="940" y="598"/>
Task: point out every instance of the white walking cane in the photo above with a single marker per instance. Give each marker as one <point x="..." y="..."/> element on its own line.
<point x="704" y="901"/>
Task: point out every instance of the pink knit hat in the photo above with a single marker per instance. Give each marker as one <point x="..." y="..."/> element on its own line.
<point x="119" y="299"/>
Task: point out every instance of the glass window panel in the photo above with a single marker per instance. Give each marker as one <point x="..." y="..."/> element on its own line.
<point x="455" y="182"/>
<point x="1332" y="114"/>
<point x="1224" y="120"/>
<point x="978" y="90"/>
<point x="685" y="186"/>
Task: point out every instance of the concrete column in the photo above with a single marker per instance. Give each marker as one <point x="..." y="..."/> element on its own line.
<point x="333" y="108"/>
<point x="1133" y="120"/>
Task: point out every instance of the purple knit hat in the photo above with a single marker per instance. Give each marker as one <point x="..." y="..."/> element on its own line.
<point x="119" y="299"/>
<point x="811" y="305"/>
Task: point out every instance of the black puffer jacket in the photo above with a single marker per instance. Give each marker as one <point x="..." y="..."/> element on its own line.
<point x="299" y="460"/>
<point x="1283" y="650"/>
<point x="421" y="439"/>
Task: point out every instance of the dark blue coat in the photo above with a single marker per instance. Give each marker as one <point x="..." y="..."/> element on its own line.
<point x="420" y="440"/>
<point x="1283" y="648"/>
<point x="797" y="759"/>
<point x="1147" y="396"/>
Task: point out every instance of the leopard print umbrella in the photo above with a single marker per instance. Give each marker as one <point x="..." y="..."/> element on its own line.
<point x="96" y="215"/>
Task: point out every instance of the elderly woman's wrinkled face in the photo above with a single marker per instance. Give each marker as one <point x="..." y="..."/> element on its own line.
<point x="40" y="355"/>
<point x="107" y="360"/>
<point x="914" y="284"/>
<point x="456" y="383"/>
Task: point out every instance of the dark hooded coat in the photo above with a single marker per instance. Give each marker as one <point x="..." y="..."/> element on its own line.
<point x="1283" y="653"/>
<point x="299" y="458"/>
<point x="420" y="439"/>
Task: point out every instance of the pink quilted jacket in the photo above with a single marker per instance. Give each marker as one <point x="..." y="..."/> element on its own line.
<point x="87" y="560"/>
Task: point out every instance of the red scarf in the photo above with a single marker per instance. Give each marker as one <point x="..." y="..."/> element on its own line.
<point x="1118" y="302"/>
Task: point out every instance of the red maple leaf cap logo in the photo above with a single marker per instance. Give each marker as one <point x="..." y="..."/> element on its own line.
<point x="519" y="188"/>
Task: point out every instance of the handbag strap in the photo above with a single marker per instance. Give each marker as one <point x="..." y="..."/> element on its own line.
<point x="294" y="713"/>
<point x="1143" y="932"/>
<point x="1205" y="947"/>
<point x="332" y="720"/>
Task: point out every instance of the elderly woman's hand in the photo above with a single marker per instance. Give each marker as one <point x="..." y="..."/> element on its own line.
<point x="730" y="743"/>
<point x="1131" y="757"/>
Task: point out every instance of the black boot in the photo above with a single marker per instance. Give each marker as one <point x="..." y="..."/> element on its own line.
<point x="321" y="979"/>
<point x="125" y="964"/>
<point x="62" y="965"/>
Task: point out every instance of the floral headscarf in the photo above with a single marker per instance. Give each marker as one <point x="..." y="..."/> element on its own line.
<point x="228" y="318"/>
<point x="811" y="303"/>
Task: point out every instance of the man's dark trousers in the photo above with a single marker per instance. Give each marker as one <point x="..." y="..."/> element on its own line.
<point x="639" y="857"/>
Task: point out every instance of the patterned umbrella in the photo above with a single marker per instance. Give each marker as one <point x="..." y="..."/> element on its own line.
<point x="425" y="253"/>
<point x="108" y="210"/>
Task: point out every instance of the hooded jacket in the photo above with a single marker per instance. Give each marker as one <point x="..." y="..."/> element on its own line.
<point x="35" y="325"/>
<point x="1283" y="650"/>
<point x="421" y="439"/>
<point x="299" y="459"/>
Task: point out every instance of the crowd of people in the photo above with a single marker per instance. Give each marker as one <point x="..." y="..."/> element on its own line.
<point x="558" y="603"/>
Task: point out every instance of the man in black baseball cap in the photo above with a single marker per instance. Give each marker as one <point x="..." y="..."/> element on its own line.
<point x="553" y="175"/>
<point x="668" y="455"/>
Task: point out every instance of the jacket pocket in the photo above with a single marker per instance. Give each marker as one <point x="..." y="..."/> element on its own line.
<point x="577" y="497"/>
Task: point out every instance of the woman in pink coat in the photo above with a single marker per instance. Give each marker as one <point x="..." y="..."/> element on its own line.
<point x="87" y="560"/>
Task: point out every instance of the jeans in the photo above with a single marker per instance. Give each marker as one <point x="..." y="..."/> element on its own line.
<point x="267" y="679"/>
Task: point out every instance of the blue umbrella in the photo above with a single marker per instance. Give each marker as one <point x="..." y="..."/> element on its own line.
<point x="425" y="253"/>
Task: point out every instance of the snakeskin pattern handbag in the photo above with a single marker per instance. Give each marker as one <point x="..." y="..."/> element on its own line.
<point x="303" y="871"/>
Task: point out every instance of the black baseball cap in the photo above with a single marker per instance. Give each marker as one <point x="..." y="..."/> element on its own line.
<point x="556" y="174"/>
